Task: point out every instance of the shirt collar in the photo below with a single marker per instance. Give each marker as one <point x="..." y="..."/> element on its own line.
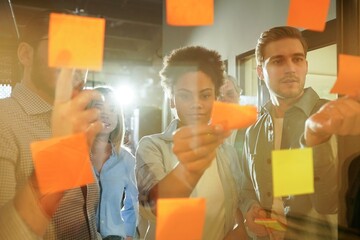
<point x="168" y="133"/>
<point x="306" y="103"/>
<point x="32" y="103"/>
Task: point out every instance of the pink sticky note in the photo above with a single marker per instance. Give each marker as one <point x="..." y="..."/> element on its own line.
<point x="348" y="80"/>
<point x="308" y="14"/>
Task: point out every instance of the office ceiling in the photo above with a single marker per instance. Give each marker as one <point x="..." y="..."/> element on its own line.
<point x="133" y="27"/>
<point x="133" y="40"/>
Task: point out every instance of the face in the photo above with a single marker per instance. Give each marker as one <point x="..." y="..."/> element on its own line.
<point x="284" y="69"/>
<point x="194" y="95"/>
<point x="228" y="93"/>
<point x="44" y="78"/>
<point x="108" y="114"/>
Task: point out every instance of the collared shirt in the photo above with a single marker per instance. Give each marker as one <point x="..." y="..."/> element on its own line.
<point x="117" y="177"/>
<point x="25" y="118"/>
<point x="257" y="186"/>
<point x="155" y="159"/>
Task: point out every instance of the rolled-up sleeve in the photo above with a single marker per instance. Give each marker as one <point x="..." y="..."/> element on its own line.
<point x="149" y="171"/>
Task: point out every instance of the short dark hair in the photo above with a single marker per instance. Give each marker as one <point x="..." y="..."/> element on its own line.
<point x="275" y="34"/>
<point x="37" y="27"/>
<point x="192" y="58"/>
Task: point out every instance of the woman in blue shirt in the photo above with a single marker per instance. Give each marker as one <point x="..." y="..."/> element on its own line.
<point x="114" y="166"/>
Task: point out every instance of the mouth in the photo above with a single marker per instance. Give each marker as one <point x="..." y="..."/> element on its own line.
<point x="197" y="115"/>
<point x="290" y="79"/>
<point x="106" y="125"/>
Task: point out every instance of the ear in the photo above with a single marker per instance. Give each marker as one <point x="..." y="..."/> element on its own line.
<point x="25" y="54"/>
<point x="259" y="71"/>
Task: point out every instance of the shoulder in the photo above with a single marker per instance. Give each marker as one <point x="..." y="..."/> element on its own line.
<point x="155" y="141"/>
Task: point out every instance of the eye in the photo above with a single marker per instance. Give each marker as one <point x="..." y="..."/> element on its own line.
<point x="277" y="61"/>
<point x="299" y="59"/>
<point x="206" y="96"/>
<point x="183" y="96"/>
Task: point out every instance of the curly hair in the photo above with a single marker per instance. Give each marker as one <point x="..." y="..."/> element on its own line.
<point x="188" y="59"/>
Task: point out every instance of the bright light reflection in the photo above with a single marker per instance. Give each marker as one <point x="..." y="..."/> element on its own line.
<point x="125" y="95"/>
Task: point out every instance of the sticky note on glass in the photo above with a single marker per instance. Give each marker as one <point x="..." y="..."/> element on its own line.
<point x="271" y="223"/>
<point x="308" y="14"/>
<point x="293" y="172"/>
<point x="76" y="41"/>
<point x="233" y="116"/>
<point x="348" y="80"/>
<point x="180" y="218"/>
<point x="62" y="163"/>
<point x="189" y="12"/>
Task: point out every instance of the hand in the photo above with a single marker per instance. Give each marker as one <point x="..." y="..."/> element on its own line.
<point x="255" y="211"/>
<point x="341" y="117"/>
<point x="195" y="146"/>
<point x="70" y="115"/>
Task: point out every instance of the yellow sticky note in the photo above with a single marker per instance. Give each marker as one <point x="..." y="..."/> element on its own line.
<point x="293" y="172"/>
<point x="309" y="14"/>
<point x="189" y="12"/>
<point x="271" y="223"/>
<point x="180" y="218"/>
<point x="76" y="41"/>
<point x="348" y="80"/>
<point x="62" y="163"/>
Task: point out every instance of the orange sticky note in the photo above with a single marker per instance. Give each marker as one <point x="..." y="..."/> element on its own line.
<point x="76" y="41"/>
<point x="271" y="223"/>
<point x="62" y="163"/>
<point x="233" y="116"/>
<point x="348" y="80"/>
<point x="308" y="14"/>
<point x="293" y="172"/>
<point x="190" y="12"/>
<point x="180" y="218"/>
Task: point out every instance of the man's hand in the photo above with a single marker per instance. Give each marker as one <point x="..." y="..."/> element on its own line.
<point x="195" y="146"/>
<point x="340" y="116"/>
<point x="70" y="115"/>
<point x="255" y="211"/>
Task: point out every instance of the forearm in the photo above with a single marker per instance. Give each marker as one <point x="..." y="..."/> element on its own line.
<point x="178" y="183"/>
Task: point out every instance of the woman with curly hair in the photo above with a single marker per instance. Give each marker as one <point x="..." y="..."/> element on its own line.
<point x="189" y="158"/>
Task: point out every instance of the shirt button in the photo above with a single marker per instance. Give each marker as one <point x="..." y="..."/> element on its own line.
<point x="268" y="160"/>
<point x="268" y="194"/>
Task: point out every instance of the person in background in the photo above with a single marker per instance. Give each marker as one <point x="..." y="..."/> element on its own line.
<point x="189" y="158"/>
<point x="282" y="65"/>
<point x="38" y="109"/>
<point x="230" y="91"/>
<point x="115" y="171"/>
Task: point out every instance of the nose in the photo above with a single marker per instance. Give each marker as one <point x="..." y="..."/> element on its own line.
<point x="196" y="103"/>
<point x="290" y="66"/>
